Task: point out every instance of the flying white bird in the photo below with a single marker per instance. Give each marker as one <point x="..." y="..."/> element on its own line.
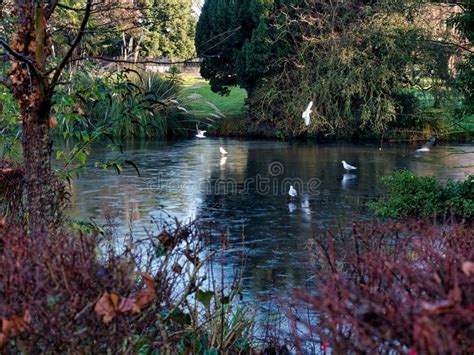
<point x="292" y="192"/>
<point x="200" y="133"/>
<point x="306" y="113"/>
<point x="348" y="167"/>
<point x="223" y="151"/>
<point x="426" y="147"/>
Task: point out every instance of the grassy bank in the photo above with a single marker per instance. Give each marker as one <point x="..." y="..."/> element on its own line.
<point x="227" y="116"/>
<point x="200" y="100"/>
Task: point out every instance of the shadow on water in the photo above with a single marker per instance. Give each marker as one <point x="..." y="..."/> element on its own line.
<point x="246" y="193"/>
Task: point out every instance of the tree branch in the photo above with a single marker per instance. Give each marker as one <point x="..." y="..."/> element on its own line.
<point x="73" y="46"/>
<point x="50" y="8"/>
<point x="20" y="57"/>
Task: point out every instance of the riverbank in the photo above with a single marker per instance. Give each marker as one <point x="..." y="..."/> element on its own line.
<point x="227" y="116"/>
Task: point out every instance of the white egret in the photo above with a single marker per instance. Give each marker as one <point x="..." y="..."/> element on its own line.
<point x="223" y="151"/>
<point x="427" y="146"/>
<point x="306" y="113"/>
<point x="200" y="133"/>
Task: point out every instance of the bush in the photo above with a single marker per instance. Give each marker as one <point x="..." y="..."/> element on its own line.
<point x="69" y="292"/>
<point x="128" y="104"/>
<point x="410" y="195"/>
<point x="392" y="288"/>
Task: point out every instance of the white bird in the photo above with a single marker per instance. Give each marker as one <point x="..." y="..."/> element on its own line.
<point x="182" y="108"/>
<point x="174" y="102"/>
<point x="292" y="192"/>
<point x="200" y="133"/>
<point x="426" y="147"/>
<point x="306" y="113"/>
<point x="348" y="167"/>
<point x="223" y="160"/>
<point x="223" y="151"/>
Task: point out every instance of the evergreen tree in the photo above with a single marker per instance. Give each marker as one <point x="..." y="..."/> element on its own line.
<point x="169" y="29"/>
<point x="223" y="39"/>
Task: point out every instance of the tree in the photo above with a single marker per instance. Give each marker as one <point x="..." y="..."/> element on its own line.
<point x="169" y="29"/>
<point x="33" y="77"/>
<point x="464" y="23"/>
<point x="224" y="27"/>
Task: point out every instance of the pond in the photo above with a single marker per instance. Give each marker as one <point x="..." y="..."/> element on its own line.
<point x="246" y="194"/>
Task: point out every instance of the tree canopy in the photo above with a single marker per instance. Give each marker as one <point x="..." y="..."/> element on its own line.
<point x="350" y="57"/>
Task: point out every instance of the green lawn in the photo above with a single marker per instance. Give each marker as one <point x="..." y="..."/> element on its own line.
<point x="198" y="99"/>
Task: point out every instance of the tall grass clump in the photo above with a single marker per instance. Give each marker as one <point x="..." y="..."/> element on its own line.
<point x="127" y="103"/>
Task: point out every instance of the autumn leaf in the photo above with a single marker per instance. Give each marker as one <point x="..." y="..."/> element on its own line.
<point x="53" y="122"/>
<point x="128" y="305"/>
<point x="106" y="306"/>
<point x="468" y="268"/>
<point x="14" y="326"/>
<point x="145" y="297"/>
<point x="177" y="268"/>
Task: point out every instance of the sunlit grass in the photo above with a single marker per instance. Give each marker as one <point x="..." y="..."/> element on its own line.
<point x="197" y="93"/>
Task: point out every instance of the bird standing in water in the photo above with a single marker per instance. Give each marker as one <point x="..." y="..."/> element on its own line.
<point x="292" y="192"/>
<point x="348" y="167"/>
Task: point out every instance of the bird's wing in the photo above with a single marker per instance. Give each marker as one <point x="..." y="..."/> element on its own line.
<point x="309" y="106"/>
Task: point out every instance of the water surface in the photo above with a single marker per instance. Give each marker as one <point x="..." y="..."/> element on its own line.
<point x="246" y="193"/>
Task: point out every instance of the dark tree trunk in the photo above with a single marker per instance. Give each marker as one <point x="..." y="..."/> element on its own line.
<point x="41" y="203"/>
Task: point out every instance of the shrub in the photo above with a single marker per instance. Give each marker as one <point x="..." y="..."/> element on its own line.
<point x="68" y="292"/>
<point x="392" y="288"/>
<point x="409" y="195"/>
<point x="129" y="104"/>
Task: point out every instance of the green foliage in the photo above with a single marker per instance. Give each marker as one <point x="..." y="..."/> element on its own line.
<point x="409" y="195"/>
<point x="224" y="27"/>
<point x="129" y="104"/>
<point x="169" y="29"/>
<point x="350" y="58"/>
<point x="10" y="126"/>
<point x="464" y="23"/>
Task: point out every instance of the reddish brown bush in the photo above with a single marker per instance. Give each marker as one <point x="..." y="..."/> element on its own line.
<point x="64" y="292"/>
<point x="406" y="288"/>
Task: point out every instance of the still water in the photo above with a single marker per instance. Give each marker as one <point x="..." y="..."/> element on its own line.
<point x="245" y="193"/>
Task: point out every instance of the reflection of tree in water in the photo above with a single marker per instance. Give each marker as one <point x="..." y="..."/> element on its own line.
<point x="276" y="236"/>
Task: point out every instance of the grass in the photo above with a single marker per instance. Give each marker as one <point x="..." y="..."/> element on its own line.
<point x="229" y="106"/>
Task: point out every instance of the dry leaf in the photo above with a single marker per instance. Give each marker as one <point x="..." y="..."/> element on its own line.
<point x="177" y="268"/>
<point x="468" y="268"/>
<point x="105" y="307"/>
<point x="144" y="298"/>
<point x="79" y="110"/>
<point x="149" y="280"/>
<point x="14" y="326"/>
<point x="128" y="305"/>
<point x="53" y="122"/>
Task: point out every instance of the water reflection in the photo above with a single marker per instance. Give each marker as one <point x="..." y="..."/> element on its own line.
<point x="246" y="193"/>
<point x="348" y="179"/>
